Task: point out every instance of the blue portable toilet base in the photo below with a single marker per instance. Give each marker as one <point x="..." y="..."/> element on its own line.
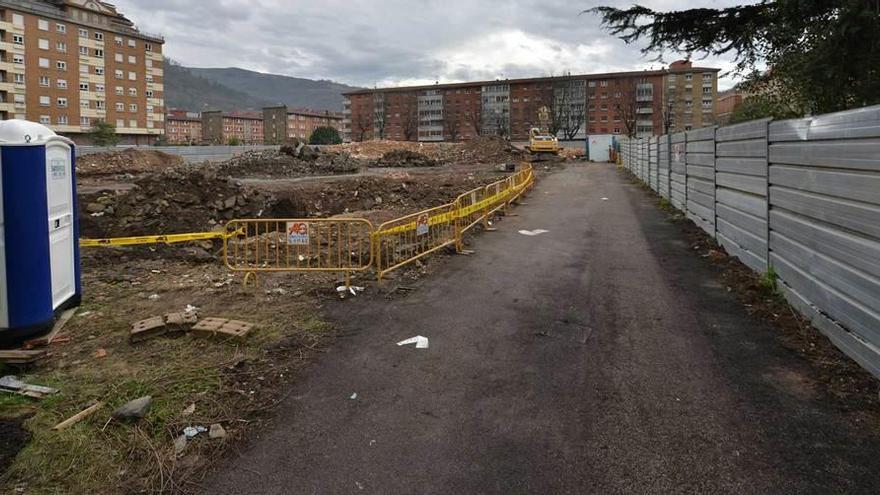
<point x="39" y="230"/>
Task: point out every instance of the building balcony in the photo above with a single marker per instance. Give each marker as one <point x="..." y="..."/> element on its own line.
<point x="7" y="86"/>
<point x="155" y="71"/>
<point x="645" y="123"/>
<point x="7" y="107"/>
<point x="645" y="98"/>
<point x="8" y="26"/>
<point x="644" y="110"/>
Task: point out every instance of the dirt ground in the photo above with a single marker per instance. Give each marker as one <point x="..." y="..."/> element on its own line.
<point x="234" y="384"/>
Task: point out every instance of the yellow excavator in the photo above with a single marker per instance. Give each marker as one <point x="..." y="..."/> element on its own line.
<point x="542" y="144"/>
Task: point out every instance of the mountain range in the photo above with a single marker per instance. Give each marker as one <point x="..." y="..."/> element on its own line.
<point x="200" y="89"/>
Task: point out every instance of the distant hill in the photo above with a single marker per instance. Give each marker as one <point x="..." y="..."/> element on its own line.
<point x="239" y="89"/>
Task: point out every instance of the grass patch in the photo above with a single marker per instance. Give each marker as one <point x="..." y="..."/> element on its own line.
<point x="230" y="383"/>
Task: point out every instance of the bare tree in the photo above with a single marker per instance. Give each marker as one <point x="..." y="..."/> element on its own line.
<point x="361" y="125"/>
<point x="451" y="125"/>
<point x="627" y="106"/>
<point x="409" y="117"/>
<point x="669" y="110"/>
<point x="474" y="115"/>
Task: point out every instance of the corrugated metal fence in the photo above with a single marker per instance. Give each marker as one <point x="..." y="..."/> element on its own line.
<point x="799" y="196"/>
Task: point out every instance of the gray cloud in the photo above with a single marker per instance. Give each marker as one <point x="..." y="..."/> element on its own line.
<point x="372" y="42"/>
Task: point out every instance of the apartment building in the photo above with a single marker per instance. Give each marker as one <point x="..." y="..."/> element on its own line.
<point x="228" y="127"/>
<point x="727" y="103"/>
<point x="650" y="102"/>
<point x="70" y="63"/>
<point x="281" y="124"/>
<point x="183" y="127"/>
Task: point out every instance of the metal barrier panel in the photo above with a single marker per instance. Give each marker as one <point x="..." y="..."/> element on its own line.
<point x="414" y="236"/>
<point x="471" y="208"/>
<point x="825" y="224"/>
<point x="741" y="191"/>
<point x="663" y="166"/>
<point x="700" y="165"/>
<point x="643" y="159"/>
<point x="678" y="170"/>
<point x="298" y="245"/>
<point x="653" y="144"/>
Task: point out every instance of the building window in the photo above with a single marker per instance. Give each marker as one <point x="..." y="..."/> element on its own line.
<point x="100" y="104"/>
<point x="99" y="71"/>
<point x="61" y="83"/>
<point x="592" y="84"/>
<point x="43" y="63"/>
<point x="45" y="101"/>
<point x="132" y="92"/>
<point x="148" y="47"/>
<point x="132" y="76"/>
<point x="83" y="33"/>
<point x="43" y="44"/>
<point x="84" y="51"/>
<point x="84" y="103"/>
<point x="120" y="123"/>
<point x="61" y="47"/>
<point x="688" y="77"/>
<point x="707" y="91"/>
<point x="149" y="93"/>
<point x="603" y="84"/>
<point x="61" y="65"/>
<point x="45" y="120"/>
<point x="83" y="86"/>
<point x="133" y="123"/>
<point x="119" y="74"/>
<point x="120" y="91"/>
<point x="42" y="24"/>
<point x="61" y="28"/>
<point x="18" y="39"/>
<point x="149" y="108"/>
<point x="132" y="43"/>
<point x="85" y="121"/>
<point x="99" y="53"/>
<point x="19" y="79"/>
<point x="120" y="107"/>
<point x="83" y="69"/>
<point x="117" y="40"/>
<point x="18" y="99"/>
<point x="18" y="59"/>
<point x="118" y="57"/>
<point x="132" y="59"/>
<point x="99" y="88"/>
<point x="99" y="36"/>
<point x="44" y="81"/>
<point x="133" y="107"/>
<point x="62" y="102"/>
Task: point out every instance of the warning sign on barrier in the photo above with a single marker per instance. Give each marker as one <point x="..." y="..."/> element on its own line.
<point x="422" y="224"/>
<point x="298" y="233"/>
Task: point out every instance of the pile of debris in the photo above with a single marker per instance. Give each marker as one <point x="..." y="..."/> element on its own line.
<point x="404" y="158"/>
<point x="486" y="149"/>
<point x="188" y="198"/>
<point x="289" y="162"/>
<point x="375" y="149"/>
<point x="127" y="161"/>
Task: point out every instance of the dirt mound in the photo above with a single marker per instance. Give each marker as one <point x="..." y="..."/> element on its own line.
<point x="489" y="149"/>
<point x="272" y="163"/>
<point x="188" y="198"/>
<point x="127" y="161"/>
<point x="405" y="158"/>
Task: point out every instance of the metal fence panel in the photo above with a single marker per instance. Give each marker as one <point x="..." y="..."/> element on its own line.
<point x="678" y="170"/>
<point x="741" y="194"/>
<point x="824" y="191"/>
<point x="700" y="169"/>
<point x="653" y="144"/>
<point x="663" y="167"/>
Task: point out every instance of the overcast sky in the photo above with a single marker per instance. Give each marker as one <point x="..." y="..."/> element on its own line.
<point x="398" y="42"/>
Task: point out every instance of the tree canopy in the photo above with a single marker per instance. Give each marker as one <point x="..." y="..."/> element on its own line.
<point x="104" y="134"/>
<point x="325" y="135"/>
<point x="822" y="56"/>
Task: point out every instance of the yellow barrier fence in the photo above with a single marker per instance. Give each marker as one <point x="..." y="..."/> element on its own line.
<point x="298" y="245"/>
<point x="349" y="245"/>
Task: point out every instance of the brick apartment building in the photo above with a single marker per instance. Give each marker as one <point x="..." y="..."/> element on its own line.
<point x="223" y="127"/>
<point x="183" y="127"/>
<point x="282" y="124"/>
<point x="70" y="63"/>
<point x="727" y="103"/>
<point x="650" y="102"/>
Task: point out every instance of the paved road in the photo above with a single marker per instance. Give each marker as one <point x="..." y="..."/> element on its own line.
<point x="600" y="357"/>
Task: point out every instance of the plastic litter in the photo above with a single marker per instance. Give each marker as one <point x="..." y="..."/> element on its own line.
<point x="192" y="431"/>
<point x="532" y="233"/>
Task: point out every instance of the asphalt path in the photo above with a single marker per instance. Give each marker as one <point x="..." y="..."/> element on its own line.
<point x="603" y="356"/>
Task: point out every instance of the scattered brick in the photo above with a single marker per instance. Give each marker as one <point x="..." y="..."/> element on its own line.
<point x="222" y="328"/>
<point x="180" y="322"/>
<point x="147" y="329"/>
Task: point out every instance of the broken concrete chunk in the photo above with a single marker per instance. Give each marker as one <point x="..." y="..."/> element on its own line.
<point x="179" y="445"/>
<point x="13" y="384"/>
<point x="135" y="409"/>
<point x="223" y="328"/>
<point x="147" y="329"/>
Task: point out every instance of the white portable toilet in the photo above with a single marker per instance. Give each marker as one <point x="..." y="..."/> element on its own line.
<point x="39" y="229"/>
